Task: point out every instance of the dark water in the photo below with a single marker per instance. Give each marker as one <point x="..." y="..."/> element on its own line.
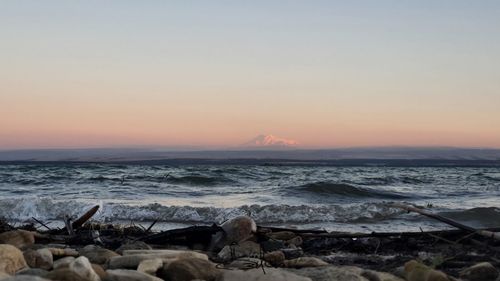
<point x="335" y="198"/>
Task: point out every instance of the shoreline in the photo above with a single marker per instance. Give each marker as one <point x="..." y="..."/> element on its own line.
<point x="240" y="246"/>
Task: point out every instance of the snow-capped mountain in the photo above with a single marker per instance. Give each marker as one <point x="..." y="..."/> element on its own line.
<point x="270" y="141"/>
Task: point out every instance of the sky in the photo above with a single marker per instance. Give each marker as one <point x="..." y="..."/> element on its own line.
<point x="218" y="73"/>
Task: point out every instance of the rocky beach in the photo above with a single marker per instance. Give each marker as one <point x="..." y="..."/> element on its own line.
<point x="238" y="250"/>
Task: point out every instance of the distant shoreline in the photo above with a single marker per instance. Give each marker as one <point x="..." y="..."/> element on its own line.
<point x="273" y="162"/>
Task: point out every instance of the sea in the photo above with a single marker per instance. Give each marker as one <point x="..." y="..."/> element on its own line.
<point x="334" y="198"/>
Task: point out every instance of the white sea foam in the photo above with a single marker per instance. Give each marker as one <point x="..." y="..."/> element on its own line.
<point x="21" y="209"/>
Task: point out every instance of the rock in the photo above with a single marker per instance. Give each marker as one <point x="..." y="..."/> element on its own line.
<point x="246" y="263"/>
<point x="484" y="271"/>
<point x="33" y="271"/>
<point x="64" y="262"/>
<point x="416" y="271"/>
<point x="276" y="258"/>
<point x="271" y="274"/>
<point x="305" y="262"/>
<point x="167" y="253"/>
<point x="296" y="241"/>
<point x="243" y="249"/>
<point x="272" y="245"/>
<point x="24" y="278"/>
<point x="132" y="261"/>
<point x="330" y="273"/>
<point x="282" y="235"/>
<point x="18" y="238"/>
<point x="189" y="269"/>
<point x="4" y="275"/>
<point x="129" y="275"/>
<point x="41" y="258"/>
<point x="292" y="253"/>
<point x="82" y="267"/>
<point x="11" y="259"/>
<point x="97" y="254"/>
<point x="235" y="230"/>
<point x="99" y="271"/>
<point x="150" y="266"/>
<point x="64" y="274"/>
<point x="137" y="245"/>
<point x="63" y="252"/>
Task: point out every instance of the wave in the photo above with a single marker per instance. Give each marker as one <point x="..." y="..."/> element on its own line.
<point x="22" y="209"/>
<point x="483" y="216"/>
<point x="198" y="180"/>
<point x="388" y="180"/>
<point x="347" y="190"/>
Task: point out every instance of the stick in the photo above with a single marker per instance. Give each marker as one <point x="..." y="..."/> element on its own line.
<point x="41" y="223"/>
<point x="485" y="233"/>
<point x="151" y="226"/>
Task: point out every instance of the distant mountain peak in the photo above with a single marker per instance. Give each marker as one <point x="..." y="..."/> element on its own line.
<point x="270" y="141"/>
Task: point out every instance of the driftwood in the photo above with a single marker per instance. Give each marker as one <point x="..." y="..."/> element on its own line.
<point x="70" y="227"/>
<point x="485" y="233"/>
<point x="183" y="236"/>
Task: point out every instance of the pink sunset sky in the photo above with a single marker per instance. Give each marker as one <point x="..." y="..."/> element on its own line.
<point x="325" y="73"/>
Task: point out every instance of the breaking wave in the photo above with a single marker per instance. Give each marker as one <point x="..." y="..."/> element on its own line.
<point x="347" y="190"/>
<point x="22" y="209"/>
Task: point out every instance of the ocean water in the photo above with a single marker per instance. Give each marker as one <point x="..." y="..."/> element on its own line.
<point x="319" y="197"/>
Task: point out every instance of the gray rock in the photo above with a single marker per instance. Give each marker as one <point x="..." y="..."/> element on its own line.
<point x="96" y="254"/>
<point x="25" y="278"/>
<point x="305" y="262"/>
<point x="82" y="267"/>
<point x="243" y="249"/>
<point x="484" y="271"/>
<point x="276" y="258"/>
<point x="33" y="271"/>
<point x="235" y="230"/>
<point x="64" y="262"/>
<point x="292" y="253"/>
<point x="41" y="258"/>
<point x="271" y="274"/>
<point x="246" y="263"/>
<point x="189" y="269"/>
<point x="137" y="245"/>
<point x="133" y="260"/>
<point x="272" y="245"/>
<point x="129" y="275"/>
<point x="150" y="266"/>
<point x="343" y="273"/>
